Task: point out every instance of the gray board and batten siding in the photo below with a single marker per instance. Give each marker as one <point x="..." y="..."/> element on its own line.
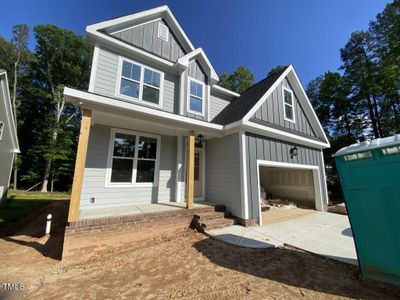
<point x="265" y="148"/>
<point x="271" y="114"/>
<point x="145" y="37"/>
<point x="96" y="167"/>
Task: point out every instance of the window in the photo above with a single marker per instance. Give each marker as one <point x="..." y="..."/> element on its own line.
<point x="138" y="82"/>
<point x="196" y="97"/>
<point x="132" y="158"/>
<point x="163" y="32"/>
<point x="391" y="150"/>
<point x="288" y="105"/>
<point x="1" y="129"/>
<point x="356" y="156"/>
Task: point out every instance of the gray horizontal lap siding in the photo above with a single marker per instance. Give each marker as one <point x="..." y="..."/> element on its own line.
<point x="265" y="148"/>
<point x="95" y="174"/>
<point x="217" y="104"/>
<point x="146" y="37"/>
<point x="271" y="113"/>
<point x="6" y="148"/>
<point x="107" y="74"/>
<point x="223" y="172"/>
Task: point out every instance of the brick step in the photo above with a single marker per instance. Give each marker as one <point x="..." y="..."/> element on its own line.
<point x="217" y="223"/>
<point x="210" y="215"/>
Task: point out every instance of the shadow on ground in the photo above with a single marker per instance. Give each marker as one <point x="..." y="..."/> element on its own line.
<point x="30" y="230"/>
<point x="296" y="268"/>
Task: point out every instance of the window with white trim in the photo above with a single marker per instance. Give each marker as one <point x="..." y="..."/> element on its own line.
<point x="139" y="82"/>
<point x="163" y="32"/>
<point x="288" y="104"/>
<point x="196" y="97"/>
<point x="1" y="129"/>
<point x="133" y="158"/>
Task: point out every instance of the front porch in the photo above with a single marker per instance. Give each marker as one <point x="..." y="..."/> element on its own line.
<point x="135" y="209"/>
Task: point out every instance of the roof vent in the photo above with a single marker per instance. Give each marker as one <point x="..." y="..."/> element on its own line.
<point x="163" y="32"/>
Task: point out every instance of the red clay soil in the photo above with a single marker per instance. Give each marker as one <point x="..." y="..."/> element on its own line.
<point x="169" y="262"/>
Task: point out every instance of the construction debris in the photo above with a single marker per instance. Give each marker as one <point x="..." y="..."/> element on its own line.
<point x="338" y="209"/>
<point x="277" y="203"/>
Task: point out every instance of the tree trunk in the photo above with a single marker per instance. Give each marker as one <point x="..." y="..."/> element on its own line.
<point x="372" y="117"/>
<point x="377" y="115"/>
<point x="48" y="163"/>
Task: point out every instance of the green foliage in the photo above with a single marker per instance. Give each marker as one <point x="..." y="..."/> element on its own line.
<point x="238" y="81"/>
<point x="48" y="127"/>
<point x="365" y="99"/>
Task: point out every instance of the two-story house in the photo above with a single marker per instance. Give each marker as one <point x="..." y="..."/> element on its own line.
<point x="157" y="127"/>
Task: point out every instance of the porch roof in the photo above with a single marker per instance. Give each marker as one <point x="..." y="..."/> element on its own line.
<point x="114" y="111"/>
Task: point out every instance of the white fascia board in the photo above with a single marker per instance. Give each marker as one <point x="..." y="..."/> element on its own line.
<point x="73" y="95"/>
<point x="266" y="95"/>
<point x="162" y="11"/>
<point x="10" y="116"/>
<point x="224" y="90"/>
<point x="282" y="135"/>
<point x="289" y="70"/>
<point x="185" y="60"/>
<point x="114" y="42"/>
<point x="309" y="104"/>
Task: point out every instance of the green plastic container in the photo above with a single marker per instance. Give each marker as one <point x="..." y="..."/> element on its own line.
<point x="370" y="177"/>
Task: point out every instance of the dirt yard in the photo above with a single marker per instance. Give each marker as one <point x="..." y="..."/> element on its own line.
<point x="169" y="262"/>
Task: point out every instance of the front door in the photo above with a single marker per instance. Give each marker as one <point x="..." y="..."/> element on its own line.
<point x="198" y="173"/>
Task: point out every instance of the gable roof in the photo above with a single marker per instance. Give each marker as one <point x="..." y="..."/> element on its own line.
<point x="239" y="107"/>
<point x="202" y="59"/>
<point x="244" y="107"/>
<point x="164" y="12"/>
<point x="8" y="109"/>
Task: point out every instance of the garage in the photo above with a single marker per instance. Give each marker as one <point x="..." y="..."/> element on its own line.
<point x="287" y="191"/>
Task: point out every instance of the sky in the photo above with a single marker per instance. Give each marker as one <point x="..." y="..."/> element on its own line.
<point x="258" y="34"/>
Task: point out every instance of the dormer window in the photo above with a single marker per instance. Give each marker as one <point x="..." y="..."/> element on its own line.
<point x="288" y="105"/>
<point x="196" y="97"/>
<point x="163" y="32"/>
<point x="139" y="83"/>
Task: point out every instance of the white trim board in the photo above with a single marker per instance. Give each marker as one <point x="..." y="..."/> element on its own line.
<point x="319" y="200"/>
<point x="303" y="99"/>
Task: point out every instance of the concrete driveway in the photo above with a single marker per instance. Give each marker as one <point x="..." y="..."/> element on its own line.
<point x="326" y="234"/>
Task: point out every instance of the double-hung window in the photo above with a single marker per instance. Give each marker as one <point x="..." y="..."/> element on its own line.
<point x="288" y="104"/>
<point x="196" y="97"/>
<point x="138" y="82"/>
<point x="133" y="158"/>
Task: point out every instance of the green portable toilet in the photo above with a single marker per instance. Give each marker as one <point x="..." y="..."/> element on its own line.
<point x="369" y="173"/>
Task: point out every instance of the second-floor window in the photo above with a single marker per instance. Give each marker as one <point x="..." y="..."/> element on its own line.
<point x="138" y="82"/>
<point x="288" y="105"/>
<point x="196" y="97"/>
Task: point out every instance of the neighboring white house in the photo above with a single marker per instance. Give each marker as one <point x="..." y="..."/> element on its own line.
<point x="8" y="136"/>
<point x="150" y="87"/>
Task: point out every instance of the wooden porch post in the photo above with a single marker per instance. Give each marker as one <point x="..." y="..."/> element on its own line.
<point x="190" y="170"/>
<point x="79" y="165"/>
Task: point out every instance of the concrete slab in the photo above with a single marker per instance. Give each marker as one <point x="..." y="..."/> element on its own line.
<point x="131" y="209"/>
<point x="326" y="234"/>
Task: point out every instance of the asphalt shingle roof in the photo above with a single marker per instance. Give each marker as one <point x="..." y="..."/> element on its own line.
<point x="240" y="106"/>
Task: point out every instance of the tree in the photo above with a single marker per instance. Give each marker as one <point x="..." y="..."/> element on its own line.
<point x="62" y="58"/>
<point x="238" y="81"/>
<point x="15" y="56"/>
<point x="360" y="71"/>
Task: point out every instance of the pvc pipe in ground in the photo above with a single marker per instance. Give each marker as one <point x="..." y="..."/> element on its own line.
<point x="48" y="223"/>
